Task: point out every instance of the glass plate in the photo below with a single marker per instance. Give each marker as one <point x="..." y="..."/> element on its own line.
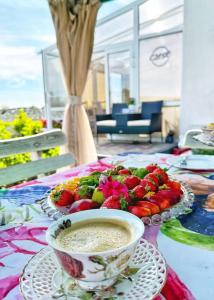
<point x="182" y="207"/>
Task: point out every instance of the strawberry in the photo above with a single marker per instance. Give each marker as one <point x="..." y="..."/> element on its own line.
<point x="76" y="196"/>
<point x="139" y="211"/>
<point x="115" y="202"/>
<point x="131" y="181"/>
<point x="148" y="186"/>
<point x="162" y="175"/>
<point x="83" y="204"/>
<point x="155" y="209"/>
<point x="139" y="192"/>
<point x="124" y="172"/>
<point x="174" y="185"/>
<point x="150" y="168"/>
<point x="112" y="202"/>
<point x="163" y="203"/>
<point x="172" y="195"/>
<point x="62" y="198"/>
<point x="152" y="178"/>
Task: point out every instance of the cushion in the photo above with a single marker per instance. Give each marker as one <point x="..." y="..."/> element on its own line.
<point x="107" y="123"/>
<point x="139" y="123"/>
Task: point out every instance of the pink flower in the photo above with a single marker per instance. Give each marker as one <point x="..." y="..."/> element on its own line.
<point x="111" y="187"/>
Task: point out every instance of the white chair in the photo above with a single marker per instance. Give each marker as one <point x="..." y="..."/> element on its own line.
<point x="38" y="142"/>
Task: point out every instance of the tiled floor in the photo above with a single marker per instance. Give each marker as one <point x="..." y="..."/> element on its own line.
<point x="105" y="147"/>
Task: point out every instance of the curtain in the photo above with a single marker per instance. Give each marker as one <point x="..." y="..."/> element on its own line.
<point x="74" y="22"/>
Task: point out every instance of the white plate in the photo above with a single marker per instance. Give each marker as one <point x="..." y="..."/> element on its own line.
<point x="42" y="279"/>
<point x="193" y="162"/>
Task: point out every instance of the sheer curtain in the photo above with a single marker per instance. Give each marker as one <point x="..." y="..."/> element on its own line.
<point x="74" y="22"/>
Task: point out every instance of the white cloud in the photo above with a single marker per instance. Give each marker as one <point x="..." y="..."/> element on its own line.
<point x="21" y="62"/>
<point x="14" y="38"/>
<point x="25" y="28"/>
<point x="50" y="39"/>
<point x="36" y="4"/>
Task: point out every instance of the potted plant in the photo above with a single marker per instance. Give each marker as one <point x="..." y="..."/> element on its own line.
<point x="131" y="104"/>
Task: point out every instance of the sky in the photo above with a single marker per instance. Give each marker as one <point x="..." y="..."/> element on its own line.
<point x="25" y="28"/>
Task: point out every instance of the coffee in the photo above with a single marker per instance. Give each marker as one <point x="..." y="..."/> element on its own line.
<point x="94" y="236"/>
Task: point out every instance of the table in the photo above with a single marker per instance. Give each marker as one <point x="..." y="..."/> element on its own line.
<point x="187" y="243"/>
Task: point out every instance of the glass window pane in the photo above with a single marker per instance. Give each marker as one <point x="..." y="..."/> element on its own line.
<point x="116" y="30"/>
<point x="119" y="77"/>
<point x="101" y="97"/>
<point x="112" y="6"/>
<point x="160" y="15"/>
<point x="55" y="83"/>
<point x="94" y="92"/>
<point x="160" y="67"/>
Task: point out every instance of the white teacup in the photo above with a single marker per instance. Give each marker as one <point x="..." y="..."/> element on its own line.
<point x="97" y="270"/>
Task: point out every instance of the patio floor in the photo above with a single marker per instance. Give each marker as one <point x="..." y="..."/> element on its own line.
<point x="105" y="147"/>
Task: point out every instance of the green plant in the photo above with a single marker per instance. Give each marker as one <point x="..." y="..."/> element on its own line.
<point x="4" y="132"/>
<point x="131" y="101"/>
<point x="22" y="125"/>
<point x="50" y="152"/>
<point x="14" y="159"/>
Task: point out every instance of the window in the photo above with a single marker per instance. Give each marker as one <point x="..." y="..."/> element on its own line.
<point x="116" y="30"/>
<point x="160" y="15"/>
<point x="160" y="67"/>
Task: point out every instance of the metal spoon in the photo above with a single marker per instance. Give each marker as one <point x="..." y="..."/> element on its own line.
<point x="183" y="162"/>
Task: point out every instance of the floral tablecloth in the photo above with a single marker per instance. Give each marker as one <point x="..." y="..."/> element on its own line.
<point x="187" y="243"/>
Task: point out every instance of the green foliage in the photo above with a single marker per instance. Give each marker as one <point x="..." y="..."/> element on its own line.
<point x="91" y="180"/>
<point x="24" y="125"/>
<point x="4" y="132"/>
<point x="50" y="152"/>
<point x="14" y="159"/>
<point x="21" y="126"/>
<point x="131" y="101"/>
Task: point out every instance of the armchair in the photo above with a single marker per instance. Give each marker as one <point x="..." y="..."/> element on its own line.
<point x="106" y="123"/>
<point x="153" y="111"/>
<point x="146" y="122"/>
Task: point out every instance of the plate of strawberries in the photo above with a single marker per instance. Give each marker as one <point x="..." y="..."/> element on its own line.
<point x="149" y="193"/>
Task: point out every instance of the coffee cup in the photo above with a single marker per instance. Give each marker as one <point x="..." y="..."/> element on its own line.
<point x="94" y="270"/>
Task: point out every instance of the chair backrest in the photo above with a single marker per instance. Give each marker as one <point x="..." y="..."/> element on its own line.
<point x="149" y="108"/>
<point x="117" y="108"/>
<point x="41" y="141"/>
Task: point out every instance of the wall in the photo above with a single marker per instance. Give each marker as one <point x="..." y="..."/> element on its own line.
<point x="197" y="105"/>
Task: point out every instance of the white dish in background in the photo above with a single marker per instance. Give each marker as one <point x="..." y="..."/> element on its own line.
<point x="193" y="162"/>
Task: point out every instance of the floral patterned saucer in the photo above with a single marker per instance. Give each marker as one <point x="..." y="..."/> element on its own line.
<point x="42" y="278"/>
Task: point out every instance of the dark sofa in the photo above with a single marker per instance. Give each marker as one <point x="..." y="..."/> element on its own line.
<point x="146" y="122"/>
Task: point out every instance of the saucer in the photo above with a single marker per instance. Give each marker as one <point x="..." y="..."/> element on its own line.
<point x="43" y="279"/>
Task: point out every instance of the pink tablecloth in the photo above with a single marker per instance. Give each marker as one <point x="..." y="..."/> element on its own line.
<point x="23" y="235"/>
